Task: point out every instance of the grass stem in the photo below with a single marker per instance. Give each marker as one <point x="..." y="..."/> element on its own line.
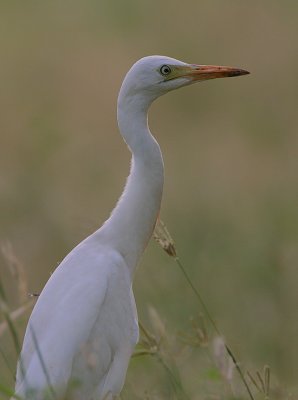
<point x="163" y="237"/>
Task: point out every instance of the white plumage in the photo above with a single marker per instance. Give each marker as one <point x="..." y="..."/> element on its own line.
<point x="84" y="327"/>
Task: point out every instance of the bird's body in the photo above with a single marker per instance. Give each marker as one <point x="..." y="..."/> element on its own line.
<point x="95" y="327"/>
<point x="84" y="327"/>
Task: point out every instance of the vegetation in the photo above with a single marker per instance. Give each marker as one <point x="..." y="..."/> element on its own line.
<point x="165" y="348"/>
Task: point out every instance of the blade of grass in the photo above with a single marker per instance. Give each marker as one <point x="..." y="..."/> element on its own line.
<point x="267" y="381"/>
<point x="8" y="392"/>
<point x="6" y="362"/>
<point x="16" y="269"/>
<point x="5" y="311"/>
<point x="15" y="315"/>
<point x="176" y="382"/>
<point x="203" y="305"/>
<point x="163" y="237"/>
<point x="9" y="322"/>
<point x="152" y="348"/>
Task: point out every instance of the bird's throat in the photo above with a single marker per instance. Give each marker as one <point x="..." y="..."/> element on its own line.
<point x="132" y="221"/>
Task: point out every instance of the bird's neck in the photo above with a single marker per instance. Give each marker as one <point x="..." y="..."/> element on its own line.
<point x="132" y="222"/>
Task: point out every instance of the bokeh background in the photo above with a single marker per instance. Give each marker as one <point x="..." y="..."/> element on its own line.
<point x="230" y="151"/>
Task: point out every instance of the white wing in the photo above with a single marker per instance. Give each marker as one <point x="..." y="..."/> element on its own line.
<point x="64" y="317"/>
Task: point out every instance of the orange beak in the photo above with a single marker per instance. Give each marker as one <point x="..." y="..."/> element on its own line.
<point x="204" y="72"/>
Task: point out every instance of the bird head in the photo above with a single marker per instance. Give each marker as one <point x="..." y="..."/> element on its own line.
<point x="154" y="76"/>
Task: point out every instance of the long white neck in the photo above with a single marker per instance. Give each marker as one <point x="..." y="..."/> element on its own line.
<point x="132" y="222"/>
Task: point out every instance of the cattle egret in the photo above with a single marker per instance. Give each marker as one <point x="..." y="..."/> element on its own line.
<point x="84" y="326"/>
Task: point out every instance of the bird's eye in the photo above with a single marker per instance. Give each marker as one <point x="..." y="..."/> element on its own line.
<point x="165" y="70"/>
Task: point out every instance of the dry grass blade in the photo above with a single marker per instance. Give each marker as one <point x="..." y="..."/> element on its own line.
<point x="163" y="237"/>
<point x="267" y="380"/>
<point x="7" y="363"/>
<point x="5" y="311"/>
<point x="198" y="336"/>
<point x="151" y="345"/>
<point x="258" y="387"/>
<point x="16" y="269"/>
<point x="14" y="315"/>
<point x="262" y="383"/>
<point x="148" y="343"/>
<point x="157" y="323"/>
<point x="149" y="337"/>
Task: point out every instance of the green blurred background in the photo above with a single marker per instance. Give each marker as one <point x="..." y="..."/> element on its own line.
<point x="230" y="151"/>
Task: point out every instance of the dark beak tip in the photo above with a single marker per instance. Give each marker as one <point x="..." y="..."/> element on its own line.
<point x="237" y="72"/>
<point x="242" y="72"/>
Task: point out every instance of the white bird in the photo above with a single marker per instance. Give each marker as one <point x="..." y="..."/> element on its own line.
<point x="84" y="327"/>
